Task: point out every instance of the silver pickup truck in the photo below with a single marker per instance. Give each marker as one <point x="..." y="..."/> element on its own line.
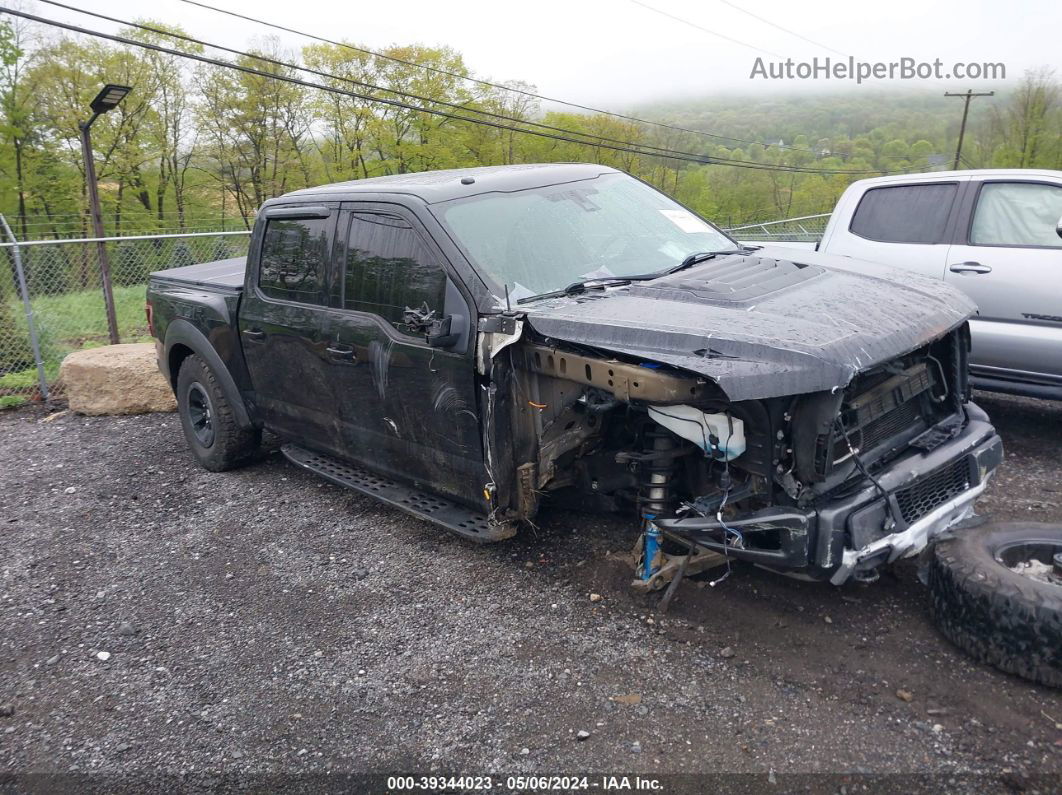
<point x="995" y="235"/>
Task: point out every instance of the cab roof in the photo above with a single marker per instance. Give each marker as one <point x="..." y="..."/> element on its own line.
<point x="440" y="186"/>
<point x="970" y="173"/>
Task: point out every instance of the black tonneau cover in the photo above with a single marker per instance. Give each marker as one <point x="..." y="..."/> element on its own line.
<point x="225" y="274"/>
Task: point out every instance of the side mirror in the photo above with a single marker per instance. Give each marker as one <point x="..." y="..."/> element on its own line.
<point x="439" y="334"/>
<point x="1058" y="228"/>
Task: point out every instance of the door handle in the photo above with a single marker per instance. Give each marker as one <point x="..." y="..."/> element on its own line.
<point x="254" y="333"/>
<point x="970" y="267"/>
<point x="341" y="354"/>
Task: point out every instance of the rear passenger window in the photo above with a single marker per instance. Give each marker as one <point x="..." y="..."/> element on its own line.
<point x="295" y="259"/>
<point x="389" y="268"/>
<point x="1017" y="214"/>
<point x="904" y="213"/>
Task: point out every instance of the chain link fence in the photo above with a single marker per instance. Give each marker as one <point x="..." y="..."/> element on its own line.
<point x="63" y="299"/>
<point x="805" y="229"/>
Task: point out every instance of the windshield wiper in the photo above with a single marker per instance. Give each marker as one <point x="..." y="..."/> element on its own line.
<point x="581" y="287"/>
<point x="695" y="258"/>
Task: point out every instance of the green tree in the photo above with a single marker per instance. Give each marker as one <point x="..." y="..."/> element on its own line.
<point x="255" y="129"/>
<point x="1028" y="128"/>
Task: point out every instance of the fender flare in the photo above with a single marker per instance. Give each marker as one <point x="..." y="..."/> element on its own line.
<point x="182" y="332"/>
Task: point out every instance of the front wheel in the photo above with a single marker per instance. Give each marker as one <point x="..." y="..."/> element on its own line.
<point x="210" y="427"/>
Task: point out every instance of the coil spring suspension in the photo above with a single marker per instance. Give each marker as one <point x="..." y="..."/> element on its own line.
<point x="655" y="495"/>
<point x="657" y="474"/>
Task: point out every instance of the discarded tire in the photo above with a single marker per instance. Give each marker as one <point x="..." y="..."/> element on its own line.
<point x="997" y="593"/>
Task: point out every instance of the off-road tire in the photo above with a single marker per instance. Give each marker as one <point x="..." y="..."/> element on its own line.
<point x="997" y="615"/>
<point x="229" y="445"/>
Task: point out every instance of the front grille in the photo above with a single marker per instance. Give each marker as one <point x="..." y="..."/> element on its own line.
<point x="933" y="490"/>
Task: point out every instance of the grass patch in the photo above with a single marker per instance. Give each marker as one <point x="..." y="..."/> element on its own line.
<point x="66" y="323"/>
<point x="22" y="379"/>
<point x="72" y="319"/>
<point x="77" y="320"/>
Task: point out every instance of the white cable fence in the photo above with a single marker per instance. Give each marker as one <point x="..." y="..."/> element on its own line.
<point x="805" y="229"/>
<point x="52" y="299"/>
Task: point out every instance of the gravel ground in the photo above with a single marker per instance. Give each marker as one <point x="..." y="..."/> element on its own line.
<point x="163" y="621"/>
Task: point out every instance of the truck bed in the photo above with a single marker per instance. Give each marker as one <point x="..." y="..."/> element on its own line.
<point x="225" y="274"/>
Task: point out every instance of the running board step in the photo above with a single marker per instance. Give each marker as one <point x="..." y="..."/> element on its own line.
<point x="455" y="518"/>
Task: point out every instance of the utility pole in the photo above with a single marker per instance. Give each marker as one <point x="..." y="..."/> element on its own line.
<point x="965" y="112"/>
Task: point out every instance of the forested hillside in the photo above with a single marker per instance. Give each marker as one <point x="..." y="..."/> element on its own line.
<point x="199" y="146"/>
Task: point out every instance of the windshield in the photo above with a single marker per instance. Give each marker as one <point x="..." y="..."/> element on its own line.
<point x="543" y="239"/>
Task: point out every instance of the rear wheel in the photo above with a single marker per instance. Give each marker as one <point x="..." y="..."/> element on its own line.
<point x="210" y="427"/>
<point x="997" y="594"/>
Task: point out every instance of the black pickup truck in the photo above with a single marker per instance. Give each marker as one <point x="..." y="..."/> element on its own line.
<point x="469" y="345"/>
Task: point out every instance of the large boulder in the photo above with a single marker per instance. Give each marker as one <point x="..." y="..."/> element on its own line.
<point x="117" y="379"/>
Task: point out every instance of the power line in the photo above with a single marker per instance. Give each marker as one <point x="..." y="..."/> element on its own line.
<point x="703" y="29"/>
<point x="458" y="106"/>
<point x="329" y="76"/>
<point x="765" y="21"/>
<point x="663" y="152"/>
<point x="634" y="149"/>
<point x="479" y="81"/>
<point x="503" y="87"/>
<point x="363" y="84"/>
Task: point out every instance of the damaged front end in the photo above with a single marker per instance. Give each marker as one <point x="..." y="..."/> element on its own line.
<point x="868" y="474"/>
<point x="864" y="461"/>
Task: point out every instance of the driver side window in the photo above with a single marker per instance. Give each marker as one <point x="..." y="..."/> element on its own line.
<point x="389" y="269"/>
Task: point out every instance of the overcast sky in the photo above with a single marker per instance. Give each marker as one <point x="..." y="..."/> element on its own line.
<point x="619" y="53"/>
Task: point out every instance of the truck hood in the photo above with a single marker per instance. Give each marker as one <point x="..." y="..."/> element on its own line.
<point x="770" y="323"/>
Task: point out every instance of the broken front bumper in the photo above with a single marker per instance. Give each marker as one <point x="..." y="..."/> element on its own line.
<point x="861" y="530"/>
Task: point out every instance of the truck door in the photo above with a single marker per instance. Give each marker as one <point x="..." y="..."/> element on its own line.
<point x="406" y="408"/>
<point x="905" y="226"/>
<point x="1010" y="262"/>
<point x="280" y="321"/>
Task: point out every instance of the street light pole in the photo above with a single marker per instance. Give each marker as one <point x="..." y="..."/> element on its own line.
<point x="106" y="100"/>
<point x="97" y="229"/>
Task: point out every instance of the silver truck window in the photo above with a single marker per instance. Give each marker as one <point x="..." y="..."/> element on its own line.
<point x="294" y="259"/>
<point x="904" y="213"/>
<point x="388" y="269"/>
<point x="1017" y="214"/>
